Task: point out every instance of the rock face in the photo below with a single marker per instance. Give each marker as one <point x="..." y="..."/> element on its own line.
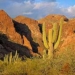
<point x="7" y="27"/>
<point x="31" y="31"/>
<point x="69" y="28"/>
<point x="48" y="20"/>
<point x="23" y="34"/>
<point x="22" y="31"/>
<point x="32" y="25"/>
<point x="52" y="18"/>
<point x="8" y="46"/>
<point x="26" y="42"/>
<point x="68" y="31"/>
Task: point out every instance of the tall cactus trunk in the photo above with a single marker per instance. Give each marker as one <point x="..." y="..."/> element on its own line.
<point x="44" y="36"/>
<point x="50" y="49"/>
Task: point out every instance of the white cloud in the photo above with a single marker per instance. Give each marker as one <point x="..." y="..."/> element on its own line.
<point x="44" y="5"/>
<point x="71" y="10"/>
<point x="33" y="10"/>
<point x="38" y="10"/>
<point x="27" y="13"/>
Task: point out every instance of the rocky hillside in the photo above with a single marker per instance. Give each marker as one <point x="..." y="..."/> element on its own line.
<point x="68" y="32"/>
<point x="25" y="35"/>
<point x="20" y="34"/>
<point x="32" y="32"/>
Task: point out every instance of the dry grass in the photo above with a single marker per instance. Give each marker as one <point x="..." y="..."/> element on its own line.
<point x="63" y="64"/>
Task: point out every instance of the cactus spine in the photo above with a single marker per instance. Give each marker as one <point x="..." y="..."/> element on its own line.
<point x="54" y="36"/>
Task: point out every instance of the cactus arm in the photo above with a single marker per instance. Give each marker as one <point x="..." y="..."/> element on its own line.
<point x="55" y="32"/>
<point x="59" y="36"/>
<point x="44" y="36"/>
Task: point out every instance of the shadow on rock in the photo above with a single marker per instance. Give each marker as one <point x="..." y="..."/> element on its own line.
<point x="7" y="46"/>
<point x="23" y="30"/>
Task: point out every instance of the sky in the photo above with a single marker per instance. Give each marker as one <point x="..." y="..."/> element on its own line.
<point x="37" y="9"/>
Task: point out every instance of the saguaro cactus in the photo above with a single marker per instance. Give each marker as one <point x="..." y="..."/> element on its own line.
<point x="51" y="41"/>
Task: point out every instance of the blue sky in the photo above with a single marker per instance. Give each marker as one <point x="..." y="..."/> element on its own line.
<point x="37" y="9"/>
<point x="66" y="2"/>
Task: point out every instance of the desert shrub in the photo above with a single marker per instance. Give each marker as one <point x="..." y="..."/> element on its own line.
<point x="16" y="68"/>
<point x="66" y="60"/>
<point x="2" y="66"/>
<point x="62" y="64"/>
